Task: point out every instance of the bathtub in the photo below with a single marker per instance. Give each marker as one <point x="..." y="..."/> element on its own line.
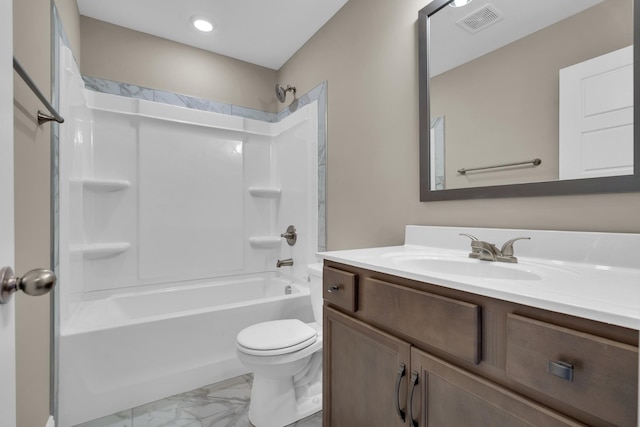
<point x="130" y="349"/>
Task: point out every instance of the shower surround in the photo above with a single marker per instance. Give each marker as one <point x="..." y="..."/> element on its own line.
<point x="169" y="233"/>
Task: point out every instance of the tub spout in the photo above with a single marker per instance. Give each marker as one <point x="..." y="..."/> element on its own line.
<point x="284" y="263"/>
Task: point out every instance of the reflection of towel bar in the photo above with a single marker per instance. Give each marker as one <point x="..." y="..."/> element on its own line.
<point x="534" y="162"/>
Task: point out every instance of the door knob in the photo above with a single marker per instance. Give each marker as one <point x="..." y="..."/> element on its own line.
<point x="35" y="282"/>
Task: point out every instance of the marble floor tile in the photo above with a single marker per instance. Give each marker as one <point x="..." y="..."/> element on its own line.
<point x="224" y="404"/>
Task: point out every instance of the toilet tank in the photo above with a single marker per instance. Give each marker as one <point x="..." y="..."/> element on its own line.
<point x="315" y="288"/>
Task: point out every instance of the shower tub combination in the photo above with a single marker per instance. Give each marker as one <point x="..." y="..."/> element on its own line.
<point x="131" y="349"/>
<point x="169" y="235"/>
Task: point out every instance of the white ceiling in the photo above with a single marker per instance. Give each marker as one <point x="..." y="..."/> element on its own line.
<point x="262" y="32"/>
<point x="451" y="45"/>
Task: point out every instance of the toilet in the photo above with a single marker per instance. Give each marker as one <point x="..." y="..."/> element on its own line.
<point x="285" y="357"/>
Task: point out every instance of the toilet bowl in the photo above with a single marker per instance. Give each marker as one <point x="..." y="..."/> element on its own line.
<point x="285" y="357"/>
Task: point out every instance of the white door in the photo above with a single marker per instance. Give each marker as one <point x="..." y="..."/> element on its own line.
<point x="596" y="117"/>
<point x="7" y="327"/>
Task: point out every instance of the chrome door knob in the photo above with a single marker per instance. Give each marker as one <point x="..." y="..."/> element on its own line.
<point x="35" y="282"/>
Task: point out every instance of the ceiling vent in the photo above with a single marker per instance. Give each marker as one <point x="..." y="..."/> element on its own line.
<point x="480" y="19"/>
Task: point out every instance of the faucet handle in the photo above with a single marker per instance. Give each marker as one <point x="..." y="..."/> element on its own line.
<point x="290" y="235"/>
<point x="475" y="252"/>
<point x="469" y="236"/>
<point x="507" y="248"/>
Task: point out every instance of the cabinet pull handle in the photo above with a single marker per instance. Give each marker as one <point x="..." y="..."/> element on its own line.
<point x="334" y="288"/>
<point x="401" y="373"/>
<point x="414" y="382"/>
<point x="560" y="369"/>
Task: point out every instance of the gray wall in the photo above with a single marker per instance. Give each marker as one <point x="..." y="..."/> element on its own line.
<point x="162" y="64"/>
<point x="368" y="53"/>
<point x="32" y="157"/>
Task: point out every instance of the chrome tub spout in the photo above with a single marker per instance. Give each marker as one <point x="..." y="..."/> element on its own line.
<point x="284" y="263"/>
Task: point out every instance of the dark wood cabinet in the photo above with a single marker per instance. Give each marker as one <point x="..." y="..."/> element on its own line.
<point x="447" y="396"/>
<point x="362" y="366"/>
<point x="468" y="360"/>
<point x="589" y="372"/>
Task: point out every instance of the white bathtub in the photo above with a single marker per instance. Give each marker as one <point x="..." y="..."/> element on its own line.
<point x="126" y="350"/>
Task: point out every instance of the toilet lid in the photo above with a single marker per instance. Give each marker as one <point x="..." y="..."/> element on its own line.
<point x="277" y="337"/>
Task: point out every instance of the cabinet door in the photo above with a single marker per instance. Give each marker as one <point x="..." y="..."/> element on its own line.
<point x="596" y="375"/>
<point x="361" y="372"/>
<point x="447" y="396"/>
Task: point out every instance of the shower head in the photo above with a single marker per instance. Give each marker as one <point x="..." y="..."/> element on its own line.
<point x="281" y="93"/>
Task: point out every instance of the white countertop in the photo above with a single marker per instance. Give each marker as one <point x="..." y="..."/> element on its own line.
<point x="581" y="274"/>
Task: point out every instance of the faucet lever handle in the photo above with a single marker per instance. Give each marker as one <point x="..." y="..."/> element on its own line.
<point x="475" y="252"/>
<point x="290" y="235"/>
<point x="507" y="248"/>
<point x="469" y="236"/>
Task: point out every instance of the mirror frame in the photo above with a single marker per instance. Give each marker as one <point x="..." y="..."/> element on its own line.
<point x="613" y="184"/>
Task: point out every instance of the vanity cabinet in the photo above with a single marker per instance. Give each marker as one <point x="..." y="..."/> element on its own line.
<point x="399" y="352"/>
<point x="446" y="395"/>
<point x="589" y="372"/>
<point x="362" y="366"/>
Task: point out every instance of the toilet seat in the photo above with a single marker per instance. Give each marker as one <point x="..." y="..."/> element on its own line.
<point x="276" y="337"/>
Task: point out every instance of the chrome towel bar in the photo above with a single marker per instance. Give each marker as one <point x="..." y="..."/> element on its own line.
<point x="534" y="162"/>
<point x="42" y="117"/>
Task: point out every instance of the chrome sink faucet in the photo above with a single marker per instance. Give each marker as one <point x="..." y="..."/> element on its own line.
<point x="489" y="252"/>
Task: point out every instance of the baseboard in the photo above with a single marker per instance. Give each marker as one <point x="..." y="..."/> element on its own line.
<point x="51" y="422"/>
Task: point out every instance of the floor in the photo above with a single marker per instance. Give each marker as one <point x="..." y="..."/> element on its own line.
<point x="225" y="404"/>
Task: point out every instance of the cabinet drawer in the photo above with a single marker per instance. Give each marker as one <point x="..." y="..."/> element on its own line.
<point x="594" y="374"/>
<point x="455" y="397"/>
<point x="340" y="288"/>
<point x="450" y="325"/>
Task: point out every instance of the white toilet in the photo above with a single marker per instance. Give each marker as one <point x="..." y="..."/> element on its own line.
<point x="285" y="357"/>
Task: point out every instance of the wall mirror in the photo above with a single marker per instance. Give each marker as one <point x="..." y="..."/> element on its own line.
<point x="526" y="98"/>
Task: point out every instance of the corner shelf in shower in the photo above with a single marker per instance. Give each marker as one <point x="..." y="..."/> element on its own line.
<point x="103" y="185"/>
<point x="265" y="192"/>
<point x="265" y="242"/>
<point x="100" y="250"/>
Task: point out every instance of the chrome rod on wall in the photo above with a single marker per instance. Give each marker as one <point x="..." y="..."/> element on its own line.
<point x="42" y="117"/>
<point x="534" y="162"/>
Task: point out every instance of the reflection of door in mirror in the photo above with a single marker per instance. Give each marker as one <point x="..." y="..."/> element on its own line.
<point x="596" y="117"/>
<point x="503" y="106"/>
<point x="437" y="156"/>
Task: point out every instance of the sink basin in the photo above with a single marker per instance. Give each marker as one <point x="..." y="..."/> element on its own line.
<point x="467" y="267"/>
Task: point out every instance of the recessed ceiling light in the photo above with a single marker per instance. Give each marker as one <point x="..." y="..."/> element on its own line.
<point x="459" y="3"/>
<point x="202" y="24"/>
